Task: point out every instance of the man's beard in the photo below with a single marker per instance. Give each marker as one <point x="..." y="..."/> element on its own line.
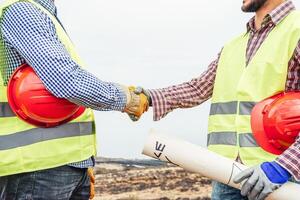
<point x="254" y="5"/>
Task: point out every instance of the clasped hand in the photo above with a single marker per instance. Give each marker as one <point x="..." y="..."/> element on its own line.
<point x="137" y="103"/>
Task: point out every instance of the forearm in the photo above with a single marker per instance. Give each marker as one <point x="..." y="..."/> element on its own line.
<point x="185" y="95"/>
<point x="290" y="159"/>
<point x="66" y="79"/>
<point x="83" y="88"/>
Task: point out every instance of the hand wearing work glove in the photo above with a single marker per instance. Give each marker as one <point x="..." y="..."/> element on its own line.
<point x="262" y="180"/>
<point x="92" y="182"/>
<point x="136" y="104"/>
<point x="139" y="90"/>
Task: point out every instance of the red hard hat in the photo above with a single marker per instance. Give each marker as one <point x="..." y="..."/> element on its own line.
<point x="275" y="121"/>
<point x="31" y="101"/>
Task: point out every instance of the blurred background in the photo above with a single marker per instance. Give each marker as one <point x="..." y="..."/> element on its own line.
<point x="152" y="44"/>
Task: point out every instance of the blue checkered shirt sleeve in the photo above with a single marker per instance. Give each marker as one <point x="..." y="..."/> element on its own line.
<point x="32" y="34"/>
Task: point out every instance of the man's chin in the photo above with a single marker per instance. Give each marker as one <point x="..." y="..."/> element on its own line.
<point x="253" y="6"/>
<point x="247" y="10"/>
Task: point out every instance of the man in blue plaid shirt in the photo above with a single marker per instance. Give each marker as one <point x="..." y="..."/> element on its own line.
<point x="29" y="36"/>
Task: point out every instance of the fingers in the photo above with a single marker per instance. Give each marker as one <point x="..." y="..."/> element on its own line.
<point x="91" y="174"/>
<point x="259" y="186"/>
<point x="138" y="90"/>
<point x="137" y="110"/>
<point x="243" y="175"/>
<point x="133" y="117"/>
<point x="264" y="193"/>
<point x="92" y="182"/>
<point x="138" y="103"/>
<point x="249" y="184"/>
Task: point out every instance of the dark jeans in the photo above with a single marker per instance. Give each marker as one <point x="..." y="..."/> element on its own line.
<point x="52" y="184"/>
<point x="225" y="192"/>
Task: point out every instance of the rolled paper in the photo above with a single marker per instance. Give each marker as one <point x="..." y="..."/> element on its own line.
<point x="197" y="159"/>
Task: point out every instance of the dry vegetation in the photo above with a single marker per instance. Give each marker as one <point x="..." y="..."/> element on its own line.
<point x="139" y="182"/>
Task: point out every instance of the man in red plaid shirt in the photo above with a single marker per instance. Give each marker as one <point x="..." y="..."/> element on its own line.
<point x="271" y="52"/>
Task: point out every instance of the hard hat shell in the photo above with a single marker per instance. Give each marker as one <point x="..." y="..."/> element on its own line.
<point x="33" y="103"/>
<point x="275" y="121"/>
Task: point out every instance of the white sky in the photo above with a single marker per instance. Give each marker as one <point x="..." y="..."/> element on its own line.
<point x="151" y="43"/>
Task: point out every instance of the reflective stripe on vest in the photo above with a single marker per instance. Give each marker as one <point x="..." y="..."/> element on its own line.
<point x="246" y="107"/>
<point x="238" y="86"/>
<point x="227" y="138"/>
<point x="230" y="108"/>
<point x="5" y="110"/>
<point x="223" y="108"/>
<point x="230" y="138"/>
<point x="247" y="140"/>
<point x="35" y="135"/>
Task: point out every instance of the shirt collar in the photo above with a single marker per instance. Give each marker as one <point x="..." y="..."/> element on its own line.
<point x="49" y="5"/>
<point x="275" y="16"/>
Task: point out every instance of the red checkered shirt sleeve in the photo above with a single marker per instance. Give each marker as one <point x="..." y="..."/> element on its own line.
<point x="290" y="159"/>
<point x="185" y="95"/>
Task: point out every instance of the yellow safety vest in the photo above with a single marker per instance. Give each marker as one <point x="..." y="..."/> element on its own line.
<point x="25" y="148"/>
<point x="239" y="87"/>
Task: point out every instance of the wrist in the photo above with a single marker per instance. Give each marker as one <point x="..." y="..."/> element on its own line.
<point x="275" y="172"/>
<point x="148" y="94"/>
<point x="127" y="94"/>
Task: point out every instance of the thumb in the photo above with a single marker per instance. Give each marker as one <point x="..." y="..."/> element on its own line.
<point x="243" y="175"/>
<point x="133" y="117"/>
<point x="138" y="90"/>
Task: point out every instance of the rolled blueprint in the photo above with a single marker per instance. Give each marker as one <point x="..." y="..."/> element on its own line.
<point x="194" y="158"/>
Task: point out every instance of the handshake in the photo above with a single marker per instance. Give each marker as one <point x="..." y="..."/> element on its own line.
<point x="138" y="102"/>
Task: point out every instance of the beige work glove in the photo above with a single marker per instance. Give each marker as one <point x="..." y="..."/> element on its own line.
<point x="136" y="104"/>
<point x="139" y="90"/>
<point x="92" y="182"/>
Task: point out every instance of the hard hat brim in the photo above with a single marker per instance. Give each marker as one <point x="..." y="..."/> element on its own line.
<point x="52" y="112"/>
<point x="257" y="126"/>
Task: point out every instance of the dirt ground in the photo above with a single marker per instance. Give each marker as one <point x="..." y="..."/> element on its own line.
<point x="118" y="181"/>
